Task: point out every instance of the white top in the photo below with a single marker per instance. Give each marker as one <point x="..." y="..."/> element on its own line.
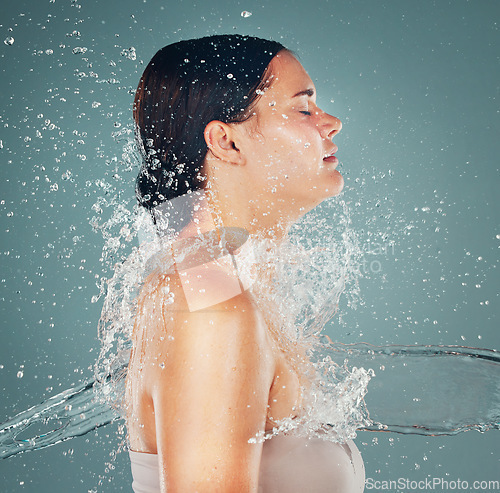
<point x="289" y="464"/>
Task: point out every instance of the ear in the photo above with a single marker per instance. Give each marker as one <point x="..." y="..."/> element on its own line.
<point x="220" y="139"/>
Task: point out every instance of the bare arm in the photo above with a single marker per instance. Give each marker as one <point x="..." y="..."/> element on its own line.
<point x="211" y="397"/>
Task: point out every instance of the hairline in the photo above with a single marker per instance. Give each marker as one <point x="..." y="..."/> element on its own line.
<point x="266" y="83"/>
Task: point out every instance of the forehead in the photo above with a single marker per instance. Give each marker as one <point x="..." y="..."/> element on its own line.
<point x="288" y="76"/>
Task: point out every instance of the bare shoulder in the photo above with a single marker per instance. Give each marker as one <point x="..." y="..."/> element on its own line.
<point x="177" y="333"/>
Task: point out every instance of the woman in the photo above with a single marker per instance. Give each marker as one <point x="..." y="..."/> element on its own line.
<point x="235" y="149"/>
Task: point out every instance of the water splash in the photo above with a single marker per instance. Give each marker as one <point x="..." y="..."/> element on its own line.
<point x="427" y="390"/>
<point x="404" y="396"/>
<point x="298" y="284"/>
<point x="71" y="413"/>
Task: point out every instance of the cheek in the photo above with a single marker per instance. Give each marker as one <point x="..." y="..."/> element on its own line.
<point x="285" y="155"/>
<point x="290" y="143"/>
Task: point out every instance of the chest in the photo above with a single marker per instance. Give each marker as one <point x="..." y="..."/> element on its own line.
<point x="285" y="393"/>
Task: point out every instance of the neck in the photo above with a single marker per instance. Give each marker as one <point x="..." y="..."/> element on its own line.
<point x="263" y="217"/>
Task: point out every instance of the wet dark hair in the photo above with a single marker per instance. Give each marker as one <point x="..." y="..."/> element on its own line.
<point x="185" y="86"/>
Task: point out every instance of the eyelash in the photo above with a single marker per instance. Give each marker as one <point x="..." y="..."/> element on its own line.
<point x="308" y="113"/>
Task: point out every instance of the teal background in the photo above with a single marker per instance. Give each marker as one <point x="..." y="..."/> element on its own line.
<point x="416" y="87"/>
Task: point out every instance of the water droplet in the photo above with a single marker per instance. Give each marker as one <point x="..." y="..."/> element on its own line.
<point x="96" y="104"/>
<point x="230" y="76"/>
<point x="9" y="41"/>
<point x="54" y="187"/>
<point x="20" y="374"/>
<point x="245" y="14"/>
<point x="79" y="49"/>
<point x="129" y="53"/>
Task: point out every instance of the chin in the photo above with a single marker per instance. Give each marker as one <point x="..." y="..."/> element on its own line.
<point x="335" y="185"/>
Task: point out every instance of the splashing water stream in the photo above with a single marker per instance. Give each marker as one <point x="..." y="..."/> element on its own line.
<point x="403" y="397"/>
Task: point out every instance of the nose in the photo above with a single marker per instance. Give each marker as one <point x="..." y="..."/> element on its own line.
<point x="331" y="126"/>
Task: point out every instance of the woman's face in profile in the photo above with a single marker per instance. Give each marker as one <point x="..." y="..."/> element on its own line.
<point x="289" y="140"/>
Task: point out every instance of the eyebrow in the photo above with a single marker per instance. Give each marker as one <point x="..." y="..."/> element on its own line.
<point x="305" y="92"/>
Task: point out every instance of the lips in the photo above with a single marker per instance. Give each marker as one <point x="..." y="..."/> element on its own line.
<point x="329" y="157"/>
